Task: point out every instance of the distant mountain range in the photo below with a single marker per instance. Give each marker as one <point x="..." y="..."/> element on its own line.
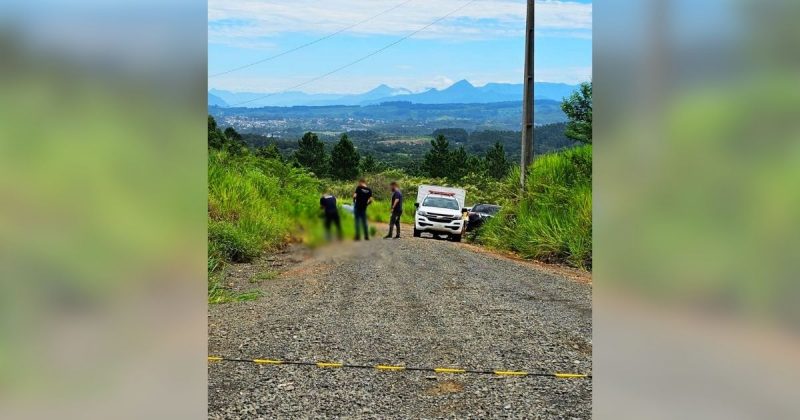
<point x="459" y="92"/>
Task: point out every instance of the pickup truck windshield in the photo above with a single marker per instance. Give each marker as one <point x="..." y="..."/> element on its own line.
<point x="440" y="202"/>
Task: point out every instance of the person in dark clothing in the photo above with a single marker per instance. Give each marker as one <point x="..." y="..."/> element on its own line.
<point x="328" y="205"/>
<point x="397" y="210"/>
<point x="362" y="197"/>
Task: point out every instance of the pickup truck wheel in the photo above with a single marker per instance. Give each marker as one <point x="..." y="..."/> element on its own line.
<point x="417" y="233"/>
<point x="455" y="238"/>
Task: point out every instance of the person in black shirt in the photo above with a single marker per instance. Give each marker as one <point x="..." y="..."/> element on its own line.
<point x="328" y="205"/>
<point x="362" y="197"/>
<point x="397" y="210"/>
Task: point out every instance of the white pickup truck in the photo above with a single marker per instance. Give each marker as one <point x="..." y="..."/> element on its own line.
<point x="440" y="211"/>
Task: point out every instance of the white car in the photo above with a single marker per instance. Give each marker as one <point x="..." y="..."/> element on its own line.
<point x="440" y="211"/>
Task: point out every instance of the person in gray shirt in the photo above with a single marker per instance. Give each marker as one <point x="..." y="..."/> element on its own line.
<point x="397" y="210"/>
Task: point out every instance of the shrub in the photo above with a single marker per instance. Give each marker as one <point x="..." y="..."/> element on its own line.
<point x="254" y="204"/>
<point x="232" y="243"/>
<point x="551" y="220"/>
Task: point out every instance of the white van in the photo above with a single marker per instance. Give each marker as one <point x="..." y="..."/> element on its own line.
<point x="440" y="211"/>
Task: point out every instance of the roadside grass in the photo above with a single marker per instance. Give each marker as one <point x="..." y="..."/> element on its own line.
<point x="221" y="295"/>
<point x="264" y="276"/>
<point x="258" y="205"/>
<point x="551" y="220"/>
<point x="254" y="205"/>
<point x="217" y="293"/>
<point x="380" y="210"/>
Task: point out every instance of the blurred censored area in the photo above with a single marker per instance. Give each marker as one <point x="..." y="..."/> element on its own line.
<point x="102" y="209"/>
<point x="697" y="216"/>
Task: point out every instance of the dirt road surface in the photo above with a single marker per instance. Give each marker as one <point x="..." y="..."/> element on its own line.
<point x="412" y="302"/>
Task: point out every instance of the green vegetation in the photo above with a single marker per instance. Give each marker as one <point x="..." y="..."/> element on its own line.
<point x="263" y="276"/>
<point x="218" y="294"/>
<point x="369" y="165"/>
<point x="480" y="189"/>
<point x="311" y="154"/>
<point x="437" y="161"/>
<point x="578" y="108"/>
<point x="379" y="182"/>
<point x="258" y="200"/>
<point x="441" y="162"/>
<point x="344" y="159"/>
<point x="395" y="118"/>
<point x="257" y="203"/>
<point x="497" y="165"/>
<point x="551" y="220"/>
<point x="407" y="151"/>
<point x="254" y="204"/>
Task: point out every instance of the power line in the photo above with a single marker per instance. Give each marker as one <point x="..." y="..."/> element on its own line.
<point x="354" y="62"/>
<point x="299" y="47"/>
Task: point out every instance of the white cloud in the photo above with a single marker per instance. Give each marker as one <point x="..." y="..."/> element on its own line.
<point x="570" y="75"/>
<point x="563" y="16"/>
<point x="440" y="82"/>
<point x="484" y="19"/>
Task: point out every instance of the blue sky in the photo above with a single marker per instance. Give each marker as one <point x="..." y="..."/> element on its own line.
<point x="482" y="43"/>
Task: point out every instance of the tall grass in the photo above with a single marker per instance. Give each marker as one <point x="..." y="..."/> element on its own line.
<point x="551" y="220"/>
<point x="257" y="205"/>
<point x="254" y="205"/>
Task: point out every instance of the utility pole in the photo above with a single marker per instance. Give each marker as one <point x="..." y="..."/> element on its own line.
<point x="527" y="100"/>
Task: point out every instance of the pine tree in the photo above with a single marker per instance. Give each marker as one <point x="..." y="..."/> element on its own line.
<point x="269" y="152"/>
<point x="497" y="164"/>
<point x="344" y="159"/>
<point x="368" y="164"/>
<point x="233" y="142"/>
<point x="232" y="135"/>
<point x="459" y="164"/>
<point x="215" y="137"/>
<point x="476" y="165"/>
<point x="437" y="160"/>
<point x="311" y="154"/>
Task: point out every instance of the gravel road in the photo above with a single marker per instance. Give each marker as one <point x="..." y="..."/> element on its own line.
<point x="415" y="302"/>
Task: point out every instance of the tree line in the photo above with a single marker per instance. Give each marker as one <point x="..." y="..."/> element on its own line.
<point x="344" y="162"/>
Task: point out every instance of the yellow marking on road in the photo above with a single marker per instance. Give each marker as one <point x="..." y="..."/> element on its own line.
<point x="570" y="375"/>
<point x="449" y="370"/>
<point x="268" y="361"/>
<point x="389" y="367"/>
<point x="510" y="373"/>
<point x="328" y="365"/>
<point x="399" y="368"/>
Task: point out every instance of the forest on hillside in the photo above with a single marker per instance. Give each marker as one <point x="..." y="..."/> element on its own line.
<point x="406" y="152"/>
